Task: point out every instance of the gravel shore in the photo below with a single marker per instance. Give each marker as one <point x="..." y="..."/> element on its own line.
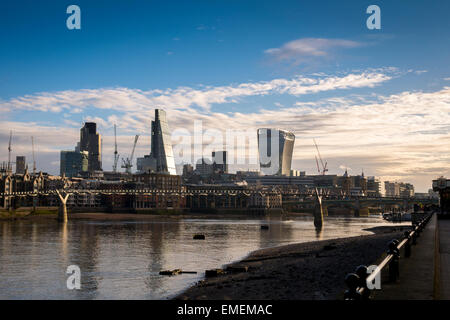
<point x="304" y="271"/>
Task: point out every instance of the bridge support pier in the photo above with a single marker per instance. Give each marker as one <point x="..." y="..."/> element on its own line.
<point x="318" y="211"/>
<point x="62" y="212"/>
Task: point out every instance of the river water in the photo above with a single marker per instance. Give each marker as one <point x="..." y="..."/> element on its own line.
<point x="122" y="259"/>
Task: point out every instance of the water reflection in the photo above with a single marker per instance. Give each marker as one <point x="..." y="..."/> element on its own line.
<point x="122" y="259"/>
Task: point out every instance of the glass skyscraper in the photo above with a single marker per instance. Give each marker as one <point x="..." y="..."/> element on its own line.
<point x="161" y="158"/>
<point x="72" y="163"/>
<point x="90" y="141"/>
<point x="275" y="148"/>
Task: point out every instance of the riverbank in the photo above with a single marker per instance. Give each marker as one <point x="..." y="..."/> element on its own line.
<point x="304" y="271"/>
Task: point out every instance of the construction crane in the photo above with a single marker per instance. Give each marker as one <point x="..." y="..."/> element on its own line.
<point x="128" y="162"/>
<point x="34" y="159"/>
<point x="9" y="151"/>
<point x="324" y="166"/>
<point x="116" y="155"/>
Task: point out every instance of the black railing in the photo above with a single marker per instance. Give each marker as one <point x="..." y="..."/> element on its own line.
<point x="358" y="281"/>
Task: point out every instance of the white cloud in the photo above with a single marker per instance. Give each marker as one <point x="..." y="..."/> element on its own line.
<point x="305" y="48"/>
<point x="402" y="136"/>
<point x="125" y="99"/>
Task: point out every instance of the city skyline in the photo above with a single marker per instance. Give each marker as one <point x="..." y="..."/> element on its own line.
<point x="374" y="100"/>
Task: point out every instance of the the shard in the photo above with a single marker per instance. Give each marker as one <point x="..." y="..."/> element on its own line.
<point x="161" y="158"/>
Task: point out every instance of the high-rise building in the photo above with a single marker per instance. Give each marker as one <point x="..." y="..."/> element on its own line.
<point x="20" y="164"/>
<point x="373" y="187"/>
<point x="219" y="159"/>
<point x="275" y="151"/>
<point x="72" y="163"/>
<point x="90" y="141"/>
<point x="398" y="189"/>
<point x="161" y="158"/>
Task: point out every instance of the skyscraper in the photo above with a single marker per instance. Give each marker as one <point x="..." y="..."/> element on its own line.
<point x="161" y="158"/>
<point x="90" y="141"/>
<point x="219" y="159"/>
<point x="275" y="149"/>
<point x="73" y="163"/>
<point x="20" y="164"/>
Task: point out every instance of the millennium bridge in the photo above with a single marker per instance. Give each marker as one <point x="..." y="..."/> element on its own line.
<point x="318" y="199"/>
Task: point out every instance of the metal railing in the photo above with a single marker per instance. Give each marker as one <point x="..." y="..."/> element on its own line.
<point x="358" y="281"/>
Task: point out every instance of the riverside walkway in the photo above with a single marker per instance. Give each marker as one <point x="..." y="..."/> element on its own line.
<point x="425" y="275"/>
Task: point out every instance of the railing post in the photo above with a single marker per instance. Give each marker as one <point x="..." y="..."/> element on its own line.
<point x="407" y="245"/>
<point x="394" y="264"/>
<point x="352" y="280"/>
<point x="361" y="272"/>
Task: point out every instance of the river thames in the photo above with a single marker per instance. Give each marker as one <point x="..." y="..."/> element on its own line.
<point x="122" y="259"/>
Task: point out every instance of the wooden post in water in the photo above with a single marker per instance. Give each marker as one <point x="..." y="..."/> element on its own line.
<point x="318" y="211"/>
<point x="62" y="212"/>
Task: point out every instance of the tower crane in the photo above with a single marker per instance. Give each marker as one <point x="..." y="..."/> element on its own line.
<point x="127" y="163"/>
<point x="324" y="166"/>
<point x="34" y="159"/>
<point x="9" y="151"/>
<point x="116" y="155"/>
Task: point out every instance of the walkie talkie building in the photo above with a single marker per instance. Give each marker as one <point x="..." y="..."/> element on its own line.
<point x="275" y="149"/>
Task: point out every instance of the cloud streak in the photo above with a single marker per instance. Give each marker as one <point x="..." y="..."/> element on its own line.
<point x="401" y="136"/>
<point x="120" y="99"/>
<point x="300" y="50"/>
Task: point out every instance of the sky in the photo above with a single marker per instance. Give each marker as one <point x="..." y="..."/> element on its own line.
<point x="376" y="101"/>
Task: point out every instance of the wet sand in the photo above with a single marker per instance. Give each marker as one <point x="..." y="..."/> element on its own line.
<point x="305" y="271"/>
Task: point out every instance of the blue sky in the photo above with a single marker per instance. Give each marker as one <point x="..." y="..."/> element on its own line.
<point x="168" y="45"/>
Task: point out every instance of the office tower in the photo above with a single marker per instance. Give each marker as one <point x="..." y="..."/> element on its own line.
<point x="373" y="187"/>
<point x="161" y="158"/>
<point x="20" y="164"/>
<point x="72" y="163"/>
<point x="275" y="151"/>
<point x="90" y="141"/>
<point x="219" y="159"/>
<point x="162" y="144"/>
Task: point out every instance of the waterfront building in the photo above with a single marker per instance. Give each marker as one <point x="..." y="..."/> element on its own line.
<point x="20" y="164"/>
<point x="360" y="182"/>
<point x="73" y="163"/>
<point x="90" y="141"/>
<point x="265" y="200"/>
<point x="305" y="181"/>
<point x="406" y="190"/>
<point x="158" y="181"/>
<point x="160" y="159"/>
<point x="373" y="187"/>
<point x="398" y="189"/>
<point x="442" y="186"/>
<point x="275" y="149"/>
<point x="346" y="183"/>
<point x="20" y="183"/>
